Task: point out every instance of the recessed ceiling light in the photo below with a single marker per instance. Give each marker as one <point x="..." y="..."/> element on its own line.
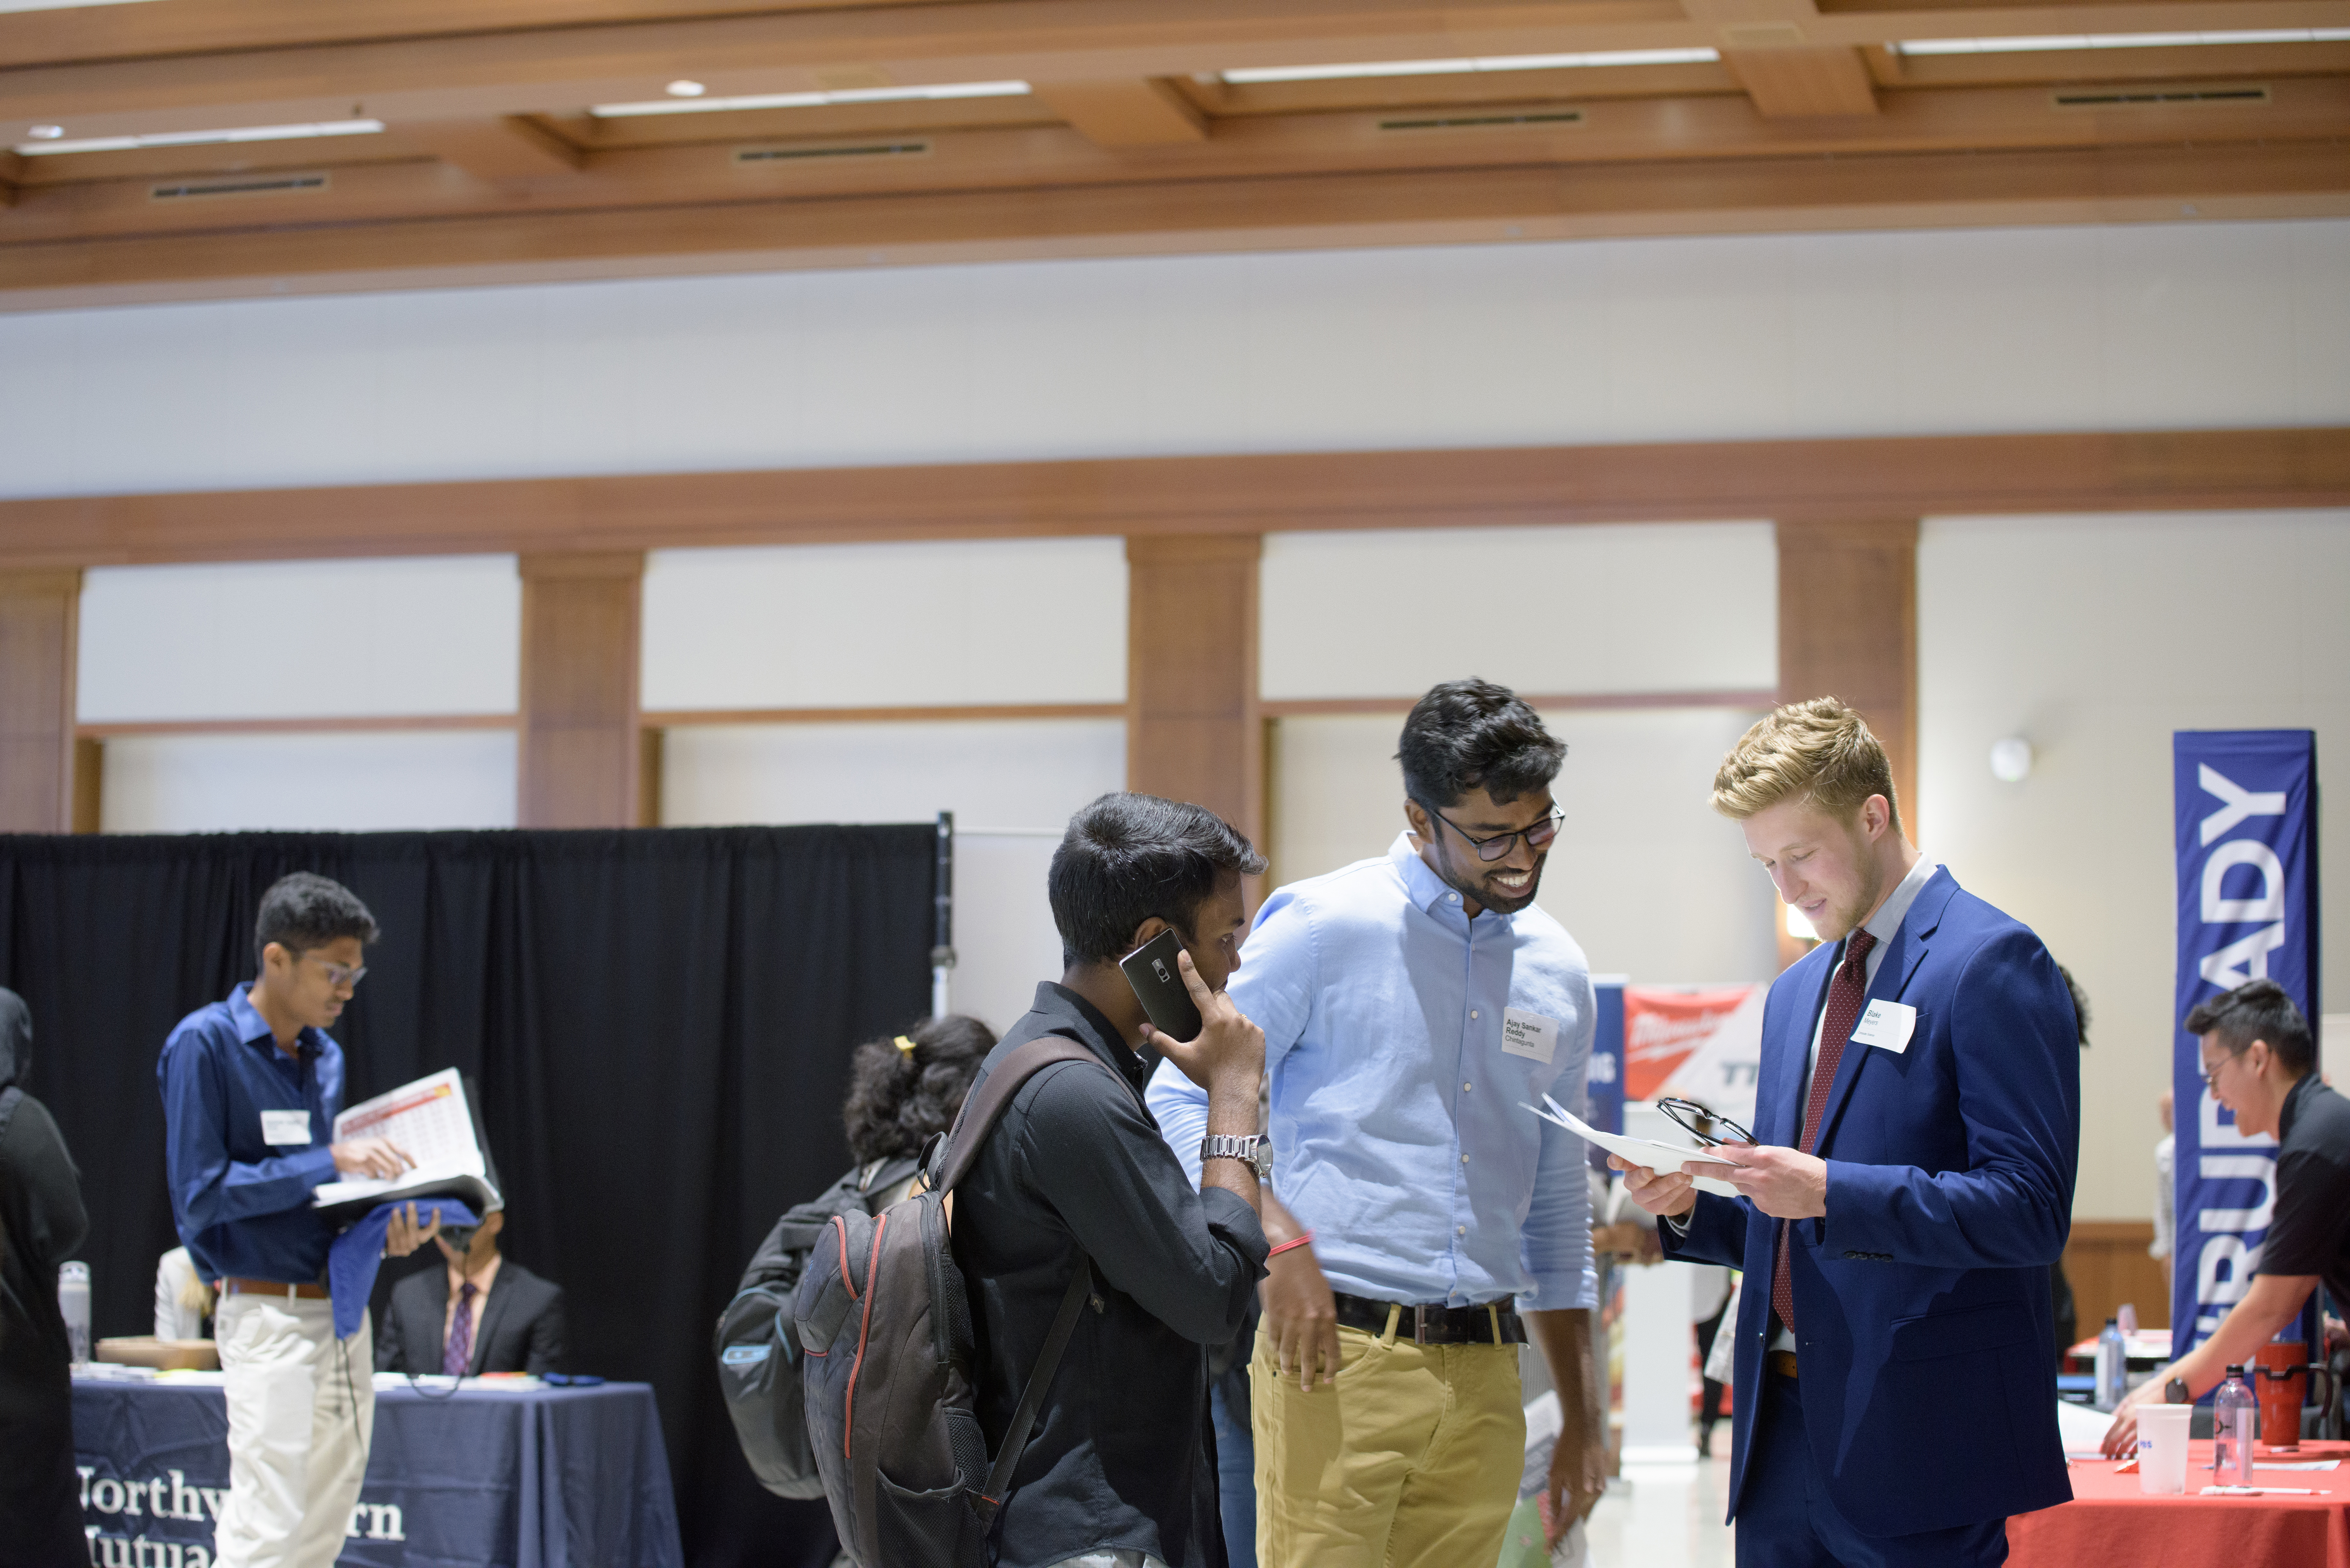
<point x="46" y="132"/>
<point x="201" y="137"/>
<point x="1476" y="63"/>
<point x="682" y="89"/>
<point x="60" y="4"/>
<point x="811" y="100"/>
<point x="2038" y="42"/>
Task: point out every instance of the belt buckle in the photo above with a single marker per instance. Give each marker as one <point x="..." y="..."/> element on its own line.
<point x="1419" y="1324"/>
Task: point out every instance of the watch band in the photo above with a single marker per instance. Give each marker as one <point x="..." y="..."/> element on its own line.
<point x="1250" y="1151"/>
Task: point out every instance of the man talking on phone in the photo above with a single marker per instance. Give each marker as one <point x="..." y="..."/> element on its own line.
<point x="1427" y="1224"/>
<point x="251" y="1088"/>
<point x="1918" y="1124"/>
<point x="1116" y="1471"/>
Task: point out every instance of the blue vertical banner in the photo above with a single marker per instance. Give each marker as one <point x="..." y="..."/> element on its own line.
<point x="1603" y="1084"/>
<point x="2246" y="809"/>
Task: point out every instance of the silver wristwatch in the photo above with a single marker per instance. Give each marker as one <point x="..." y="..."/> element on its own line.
<point x="1252" y="1149"/>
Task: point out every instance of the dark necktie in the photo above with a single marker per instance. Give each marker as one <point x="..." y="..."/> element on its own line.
<point x="459" y="1352"/>
<point x="1846" y="993"/>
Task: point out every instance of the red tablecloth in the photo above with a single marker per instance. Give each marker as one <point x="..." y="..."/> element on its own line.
<point x="2110" y="1520"/>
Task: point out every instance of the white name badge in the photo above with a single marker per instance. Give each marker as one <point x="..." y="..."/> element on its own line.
<point x="1529" y="1034"/>
<point x="284" y="1126"/>
<point x="1887" y="1025"/>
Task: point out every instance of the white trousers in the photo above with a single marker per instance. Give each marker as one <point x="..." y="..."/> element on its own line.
<point x="301" y="1411"/>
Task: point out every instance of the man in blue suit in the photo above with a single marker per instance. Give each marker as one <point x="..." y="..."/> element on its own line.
<point x="1917" y="1125"/>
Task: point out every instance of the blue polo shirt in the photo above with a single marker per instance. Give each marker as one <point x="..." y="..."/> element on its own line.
<point x="241" y="1181"/>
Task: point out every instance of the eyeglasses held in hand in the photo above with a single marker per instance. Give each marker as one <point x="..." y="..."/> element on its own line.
<point x="1689" y="1114"/>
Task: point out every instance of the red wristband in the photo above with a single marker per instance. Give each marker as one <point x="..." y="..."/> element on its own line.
<point x="1297" y="1240"/>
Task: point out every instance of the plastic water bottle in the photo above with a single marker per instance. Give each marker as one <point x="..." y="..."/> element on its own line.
<point x="2113" y="1367"/>
<point x="72" y="1302"/>
<point x="2234" y="1409"/>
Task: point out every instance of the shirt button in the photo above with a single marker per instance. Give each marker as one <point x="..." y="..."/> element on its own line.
<point x="1465" y="1087"/>
<point x="1464" y="1159"/>
<point x="1452" y="898"/>
<point x="1473" y="1012"/>
<point x="1460" y="1230"/>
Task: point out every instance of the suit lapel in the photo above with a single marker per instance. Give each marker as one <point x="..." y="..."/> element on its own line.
<point x="493" y="1308"/>
<point x="1893" y="976"/>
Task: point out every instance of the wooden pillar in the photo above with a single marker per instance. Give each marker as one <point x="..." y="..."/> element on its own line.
<point x="40" y="615"/>
<point x="1194" y="732"/>
<point x="1848" y="628"/>
<point x="581" y="761"/>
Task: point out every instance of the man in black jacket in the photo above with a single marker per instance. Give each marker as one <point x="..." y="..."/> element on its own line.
<point x="1117" y="1471"/>
<point x="506" y="1319"/>
<point x="41" y="1222"/>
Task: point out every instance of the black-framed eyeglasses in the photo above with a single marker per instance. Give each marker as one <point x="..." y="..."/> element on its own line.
<point x="1499" y="846"/>
<point x="1689" y="1114"/>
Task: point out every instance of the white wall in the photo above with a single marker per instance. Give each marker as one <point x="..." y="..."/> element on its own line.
<point x="2123" y="327"/>
<point x="849" y="626"/>
<point x="2094" y="638"/>
<point x="298" y="639"/>
<point x="1026" y="776"/>
<point x="1642" y="608"/>
<point x="1644" y="874"/>
<point x="340" y="783"/>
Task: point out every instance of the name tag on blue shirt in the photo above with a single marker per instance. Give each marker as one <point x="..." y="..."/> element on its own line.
<point x="284" y="1126"/>
<point x="1529" y="1034"/>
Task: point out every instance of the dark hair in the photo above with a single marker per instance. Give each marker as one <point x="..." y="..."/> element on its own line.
<point x="1473" y="734"/>
<point x="2080" y="1005"/>
<point x="1127" y="858"/>
<point x="2257" y="1010"/>
<point x="302" y="911"/>
<point x="898" y="1098"/>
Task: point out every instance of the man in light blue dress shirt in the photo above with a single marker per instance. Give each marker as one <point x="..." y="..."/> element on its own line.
<point x="1426" y="1223"/>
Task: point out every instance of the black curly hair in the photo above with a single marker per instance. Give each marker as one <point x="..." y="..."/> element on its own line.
<point x="898" y="1098"/>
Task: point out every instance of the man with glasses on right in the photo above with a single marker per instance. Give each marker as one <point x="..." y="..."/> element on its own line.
<point x="1426" y="1224"/>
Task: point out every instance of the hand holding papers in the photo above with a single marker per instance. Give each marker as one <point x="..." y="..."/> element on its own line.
<point x="1659" y="1157"/>
<point x="432" y="1122"/>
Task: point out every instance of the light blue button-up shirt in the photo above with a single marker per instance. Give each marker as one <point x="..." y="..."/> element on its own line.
<point x="1401" y="1041"/>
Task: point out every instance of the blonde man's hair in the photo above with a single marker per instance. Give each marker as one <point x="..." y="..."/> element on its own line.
<point x="1820" y="752"/>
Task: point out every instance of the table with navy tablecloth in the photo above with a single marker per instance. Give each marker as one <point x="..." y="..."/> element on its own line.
<point x="499" y="1477"/>
<point x="2111" y="1520"/>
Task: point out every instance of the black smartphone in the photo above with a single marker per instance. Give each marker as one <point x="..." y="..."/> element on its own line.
<point x="1151" y="970"/>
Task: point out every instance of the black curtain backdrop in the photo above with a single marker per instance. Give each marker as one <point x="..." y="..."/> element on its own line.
<point x="658" y="1021"/>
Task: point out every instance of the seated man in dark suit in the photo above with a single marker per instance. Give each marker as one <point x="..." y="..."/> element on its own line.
<point x="481" y="1313"/>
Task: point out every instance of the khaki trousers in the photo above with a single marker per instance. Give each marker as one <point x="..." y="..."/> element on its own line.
<point x="1410" y="1459"/>
<point x="301" y="1410"/>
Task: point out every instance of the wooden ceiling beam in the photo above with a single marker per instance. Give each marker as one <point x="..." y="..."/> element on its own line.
<point x="1823" y="481"/>
<point x="500" y="151"/>
<point x="1435" y="207"/>
<point x="1720" y="129"/>
<point x="1803" y="83"/>
<point x="1145" y="113"/>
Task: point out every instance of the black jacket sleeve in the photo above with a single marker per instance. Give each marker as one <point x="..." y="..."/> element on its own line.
<point x="544" y="1354"/>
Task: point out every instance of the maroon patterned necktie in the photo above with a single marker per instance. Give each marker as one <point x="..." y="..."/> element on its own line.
<point x="1846" y="993"/>
<point x="458" y="1352"/>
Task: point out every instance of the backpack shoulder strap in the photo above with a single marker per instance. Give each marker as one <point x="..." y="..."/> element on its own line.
<point x="10" y="1098"/>
<point x="980" y="1110"/>
<point x="1040" y="1378"/>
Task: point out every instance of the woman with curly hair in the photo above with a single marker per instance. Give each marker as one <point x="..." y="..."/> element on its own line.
<point x="900" y="1091"/>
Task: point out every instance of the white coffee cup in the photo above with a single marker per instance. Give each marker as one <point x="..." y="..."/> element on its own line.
<point x="2162" y="1449"/>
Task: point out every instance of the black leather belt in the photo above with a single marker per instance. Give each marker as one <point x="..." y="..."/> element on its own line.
<point x="1497" y="1324"/>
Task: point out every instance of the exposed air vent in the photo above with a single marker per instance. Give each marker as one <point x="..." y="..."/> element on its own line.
<point x="2130" y="98"/>
<point x="806" y="154"/>
<point x="1485" y="121"/>
<point x="237" y="185"/>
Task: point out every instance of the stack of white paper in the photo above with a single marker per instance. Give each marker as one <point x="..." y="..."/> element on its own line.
<point x="1659" y="1157"/>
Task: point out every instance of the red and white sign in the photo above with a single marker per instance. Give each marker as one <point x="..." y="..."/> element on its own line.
<point x="1698" y="1045"/>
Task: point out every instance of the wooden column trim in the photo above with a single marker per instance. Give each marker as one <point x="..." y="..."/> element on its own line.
<point x="1848" y="628"/>
<point x="579" y="760"/>
<point x="1194" y="728"/>
<point x="40" y="621"/>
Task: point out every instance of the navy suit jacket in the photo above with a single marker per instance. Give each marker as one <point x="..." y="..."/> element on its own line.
<point x="1923" y="1327"/>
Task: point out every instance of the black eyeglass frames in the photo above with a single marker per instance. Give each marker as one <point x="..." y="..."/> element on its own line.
<point x="1688" y="1115"/>
<point x="1498" y="847"/>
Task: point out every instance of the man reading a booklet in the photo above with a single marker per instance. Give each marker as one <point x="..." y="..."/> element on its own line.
<point x="251" y="1087"/>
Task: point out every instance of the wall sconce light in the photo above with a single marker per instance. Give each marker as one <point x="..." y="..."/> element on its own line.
<point x="2011" y="760"/>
